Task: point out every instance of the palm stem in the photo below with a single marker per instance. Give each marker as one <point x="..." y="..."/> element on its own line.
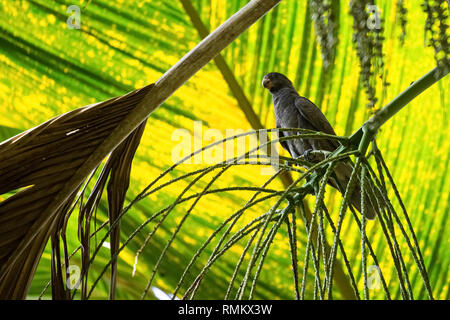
<point x="367" y="131"/>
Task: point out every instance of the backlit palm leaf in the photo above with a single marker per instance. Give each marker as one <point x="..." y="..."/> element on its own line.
<point x="48" y="69"/>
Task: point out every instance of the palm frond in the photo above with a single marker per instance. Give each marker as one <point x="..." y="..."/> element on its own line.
<point x="39" y="162"/>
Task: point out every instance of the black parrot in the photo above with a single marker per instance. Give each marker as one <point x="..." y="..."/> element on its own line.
<point x="294" y="111"/>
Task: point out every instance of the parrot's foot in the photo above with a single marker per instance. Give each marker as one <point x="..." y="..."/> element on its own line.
<point x="314" y="156"/>
<point x="308" y="156"/>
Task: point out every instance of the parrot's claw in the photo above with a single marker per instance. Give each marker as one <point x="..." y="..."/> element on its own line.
<point x="308" y="156"/>
<point x="314" y="156"/>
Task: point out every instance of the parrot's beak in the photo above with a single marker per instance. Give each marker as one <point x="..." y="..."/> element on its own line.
<point x="267" y="83"/>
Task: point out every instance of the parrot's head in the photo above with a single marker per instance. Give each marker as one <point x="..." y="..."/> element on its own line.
<point x="275" y="81"/>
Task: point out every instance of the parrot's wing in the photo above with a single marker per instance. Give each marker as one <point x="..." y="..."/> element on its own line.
<point x="315" y="117"/>
<point x="284" y="144"/>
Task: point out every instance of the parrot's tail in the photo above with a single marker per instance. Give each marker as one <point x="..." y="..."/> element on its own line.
<point x="370" y="212"/>
<point x="343" y="171"/>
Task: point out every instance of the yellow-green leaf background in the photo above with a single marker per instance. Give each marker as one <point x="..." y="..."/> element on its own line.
<point x="47" y="69"/>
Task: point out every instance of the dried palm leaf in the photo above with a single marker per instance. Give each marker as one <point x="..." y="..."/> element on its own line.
<point x="38" y="163"/>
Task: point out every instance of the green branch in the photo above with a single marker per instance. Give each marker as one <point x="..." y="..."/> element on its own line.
<point x="367" y="131"/>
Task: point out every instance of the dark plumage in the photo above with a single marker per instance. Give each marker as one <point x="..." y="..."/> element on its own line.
<point x="294" y="111"/>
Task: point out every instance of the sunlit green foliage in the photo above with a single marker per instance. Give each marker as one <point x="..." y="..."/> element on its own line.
<point x="47" y="69"/>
